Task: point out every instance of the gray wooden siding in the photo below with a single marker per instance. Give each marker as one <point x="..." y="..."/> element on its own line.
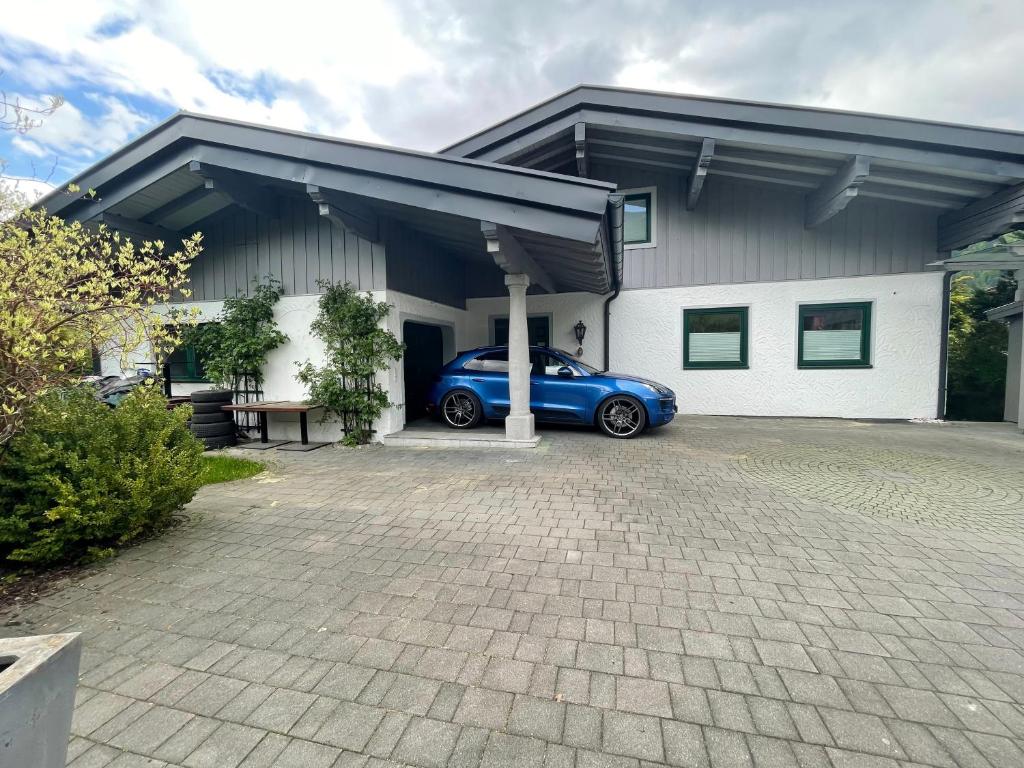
<point x="418" y="268"/>
<point x="298" y="247"/>
<point x="743" y="232"/>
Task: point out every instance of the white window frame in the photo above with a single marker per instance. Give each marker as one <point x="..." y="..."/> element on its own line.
<point x="653" y="192"/>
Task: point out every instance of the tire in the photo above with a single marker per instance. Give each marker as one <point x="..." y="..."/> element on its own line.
<point x="208" y="407"/>
<point x="622" y="417"/>
<point x="213" y="443"/>
<point x="214" y="430"/>
<point x="460" y="409"/>
<point x="213" y="396"/>
<point x="220" y="417"/>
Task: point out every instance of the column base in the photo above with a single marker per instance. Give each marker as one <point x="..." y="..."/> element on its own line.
<point x="519" y="427"/>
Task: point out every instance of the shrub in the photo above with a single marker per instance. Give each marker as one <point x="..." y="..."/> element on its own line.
<point x="358" y="348"/>
<point x="84" y="478"/>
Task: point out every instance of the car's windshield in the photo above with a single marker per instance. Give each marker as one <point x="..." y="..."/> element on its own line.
<point x="578" y="363"/>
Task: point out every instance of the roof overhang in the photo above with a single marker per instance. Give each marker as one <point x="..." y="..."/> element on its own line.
<point x="1007" y="256"/>
<point x="191" y="166"/>
<point x="1006" y="312"/>
<point x="831" y="155"/>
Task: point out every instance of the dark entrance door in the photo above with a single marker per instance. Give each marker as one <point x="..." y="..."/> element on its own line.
<point x="424" y="356"/>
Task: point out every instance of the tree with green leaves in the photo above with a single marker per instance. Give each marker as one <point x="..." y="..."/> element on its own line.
<point x="66" y="290"/>
<point x="235" y="346"/>
<point x="977" y="345"/>
<point x="358" y="348"/>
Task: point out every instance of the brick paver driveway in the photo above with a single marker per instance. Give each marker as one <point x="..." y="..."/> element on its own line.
<point x="727" y="592"/>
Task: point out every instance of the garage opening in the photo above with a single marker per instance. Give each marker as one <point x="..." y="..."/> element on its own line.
<point x="424" y="356"/>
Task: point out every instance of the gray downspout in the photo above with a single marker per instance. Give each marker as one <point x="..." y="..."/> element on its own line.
<point x="940" y="409"/>
<point x="615" y="203"/>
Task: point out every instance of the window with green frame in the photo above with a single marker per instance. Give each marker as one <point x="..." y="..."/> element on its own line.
<point x="835" y="335"/>
<point x="715" y="337"/>
<point x="636" y="224"/>
<point x="185" y="365"/>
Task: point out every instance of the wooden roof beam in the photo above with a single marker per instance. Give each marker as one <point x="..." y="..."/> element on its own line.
<point x="510" y="255"/>
<point x="233" y="186"/>
<point x="699" y="173"/>
<point x="177" y="205"/>
<point x="351" y="215"/>
<point x="139" y="229"/>
<point x="837" y="191"/>
<point x="580" y="136"/>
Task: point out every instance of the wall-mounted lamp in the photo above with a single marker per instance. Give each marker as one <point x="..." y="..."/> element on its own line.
<point x="580" y="329"/>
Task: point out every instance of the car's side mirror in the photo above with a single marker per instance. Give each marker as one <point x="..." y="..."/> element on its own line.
<point x="566" y="372"/>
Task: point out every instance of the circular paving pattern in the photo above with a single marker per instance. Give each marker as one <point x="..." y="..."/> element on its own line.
<point x="915" y="487"/>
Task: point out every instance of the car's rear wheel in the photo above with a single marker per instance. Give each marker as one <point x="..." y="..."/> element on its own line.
<point x="461" y="409"/>
<point x="621" y="416"/>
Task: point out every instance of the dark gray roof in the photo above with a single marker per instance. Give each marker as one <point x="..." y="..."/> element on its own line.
<point x="191" y="166"/>
<point x="785" y="117"/>
<point x="941" y="165"/>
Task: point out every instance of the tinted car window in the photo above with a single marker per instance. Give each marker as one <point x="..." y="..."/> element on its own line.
<point x="543" y="364"/>
<point x="495" y="362"/>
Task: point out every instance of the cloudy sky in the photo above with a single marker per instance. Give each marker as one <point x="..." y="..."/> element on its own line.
<point x="423" y="73"/>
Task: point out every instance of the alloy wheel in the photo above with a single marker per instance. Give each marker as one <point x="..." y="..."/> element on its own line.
<point x="621" y="417"/>
<point x="459" y="409"/>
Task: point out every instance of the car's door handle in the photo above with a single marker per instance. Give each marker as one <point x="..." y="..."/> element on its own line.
<point x="477" y="378"/>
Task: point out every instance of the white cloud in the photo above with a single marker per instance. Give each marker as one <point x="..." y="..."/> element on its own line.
<point x="423" y="73"/>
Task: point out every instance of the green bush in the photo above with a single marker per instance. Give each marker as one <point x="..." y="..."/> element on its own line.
<point x="84" y="478"/>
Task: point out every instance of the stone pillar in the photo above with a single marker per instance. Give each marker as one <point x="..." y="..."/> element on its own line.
<point x="519" y="423"/>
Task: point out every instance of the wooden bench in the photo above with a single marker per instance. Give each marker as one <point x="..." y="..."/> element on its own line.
<point x="261" y="409"/>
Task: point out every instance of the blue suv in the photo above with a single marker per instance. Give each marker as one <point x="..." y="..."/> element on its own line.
<point x="474" y="387"/>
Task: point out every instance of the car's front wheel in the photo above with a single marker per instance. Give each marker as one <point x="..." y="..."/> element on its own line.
<point x="621" y="416"/>
<point x="461" y="409"/>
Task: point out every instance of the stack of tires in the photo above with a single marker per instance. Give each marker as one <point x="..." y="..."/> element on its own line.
<point x="215" y="427"/>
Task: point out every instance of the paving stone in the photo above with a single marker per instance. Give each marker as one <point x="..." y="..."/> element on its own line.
<point x="684" y="744"/>
<point x="633" y="735"/>
<point x="508" y="675"/>
<point x="537" y="718"/>
<point x="427" y="742"/>
<point x="349" y="726"/>
<point x="151" y="730"/>
<point x="505" y="750"/>
<point x="582" y="727"/>
<point x="226" y="747"/>
<point x="861" y="733"/>
<point x="645" y="697"/>
<point x="281" y="710"/>
<point x="484" y="708"/>
<point x="737" y="591"/>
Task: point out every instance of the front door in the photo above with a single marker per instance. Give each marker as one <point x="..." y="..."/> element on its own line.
<point x="424" y="356"/>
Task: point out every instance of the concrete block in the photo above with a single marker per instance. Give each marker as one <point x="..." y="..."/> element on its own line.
<point x="38" y="678"/>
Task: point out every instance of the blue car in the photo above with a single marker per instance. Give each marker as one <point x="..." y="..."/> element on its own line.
<point x="474" y="387"/>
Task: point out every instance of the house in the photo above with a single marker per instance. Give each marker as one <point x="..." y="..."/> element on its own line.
<point x="760" y="259"/>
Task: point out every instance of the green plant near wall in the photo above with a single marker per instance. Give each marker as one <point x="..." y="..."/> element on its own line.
<point x="358" y="348"/>
<point x="235" y="346"/>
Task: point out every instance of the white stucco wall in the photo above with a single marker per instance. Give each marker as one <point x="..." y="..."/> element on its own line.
<point x="294" y="314"/>
<point x="565" y="310"/>
<point x="906" y="336"/>
<point x="453" y="323"/>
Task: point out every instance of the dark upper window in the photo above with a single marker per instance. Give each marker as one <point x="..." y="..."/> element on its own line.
<point x="715" y="338"/>
<point x="835" y="335"/>
<point x="496" y="362"/>
<point x="538" y="331"/>
<point x="637" y="217"/>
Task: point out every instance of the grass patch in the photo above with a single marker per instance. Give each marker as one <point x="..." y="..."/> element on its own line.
<point x="221" y="469"/>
